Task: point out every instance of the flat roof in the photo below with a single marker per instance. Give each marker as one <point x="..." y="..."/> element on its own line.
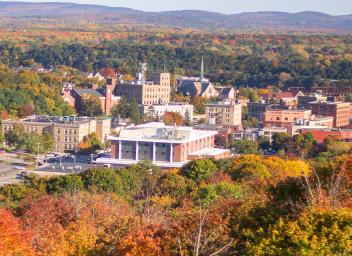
<point x="53" y="119"/>
<point x="161" y="133"/>
<point x="210" y="152"/>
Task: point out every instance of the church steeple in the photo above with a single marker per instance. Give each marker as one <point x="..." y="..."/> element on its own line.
<point x="202" y="71"/>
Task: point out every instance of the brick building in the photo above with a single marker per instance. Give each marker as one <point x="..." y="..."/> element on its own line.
<point x="341" y="111"/>
<point x="284" y="118"/>
<point x="68" y="131"/>
<point x="166" y="146"/>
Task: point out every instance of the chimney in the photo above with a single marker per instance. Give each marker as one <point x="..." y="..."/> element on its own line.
<point x="108" y="99"/>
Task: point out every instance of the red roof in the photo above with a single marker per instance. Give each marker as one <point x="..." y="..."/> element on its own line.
<point x="321" y="135"/>
<point x="277" y="95"/>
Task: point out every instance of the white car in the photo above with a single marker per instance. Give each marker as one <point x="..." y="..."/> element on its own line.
<point x="20" y="168"/>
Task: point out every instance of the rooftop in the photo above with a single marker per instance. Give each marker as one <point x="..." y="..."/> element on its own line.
<point x="209" y="152"/>
<point x="54" y="119"/>
<point x="159" y="132"/>
<point x="222" y="103"/>
<point x="90" y="92"/>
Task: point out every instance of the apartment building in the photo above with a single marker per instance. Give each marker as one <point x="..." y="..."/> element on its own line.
<point x="341" y="111"/>
<point x="68" y="131"/>
<point x="225" y="113"/>
<point x="165" y="146"/>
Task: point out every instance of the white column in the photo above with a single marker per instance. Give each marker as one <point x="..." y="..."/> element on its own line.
<point x="154" y="149"/>
<point x="120" y="149"/>
<point x="137" y="149"/>
<point x="171" y="153"/>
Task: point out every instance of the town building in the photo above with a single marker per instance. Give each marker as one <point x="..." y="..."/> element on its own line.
<point x="202" y="89"/>
<point x="284" y="117"/>
<point x="314" y="123"/>
<point x="165" y="146"/>
<point x="226" y="93"/>
<point x="225" y="113"/>
<point x="198" y="87"/>
<point x="68" y="131"/>
<point x="304" y="100"/>
<point x="146" y="92"/>
<point x="243" y="101"/>
<point x="341" y="111"/>
<point x="320" y="134"/>
<point x="255" y="134"/>
<point x="287" y="98"/>
<point x="104" y="94"/>
<point x="159" y="110"/>
<point x="333" y="91"/>
<point x="257" y="109"/>
<point x="224" y="134"/>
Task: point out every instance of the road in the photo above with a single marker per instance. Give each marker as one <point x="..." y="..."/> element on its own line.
<point x="8" y="170"/>
<point x="8" y="174"/>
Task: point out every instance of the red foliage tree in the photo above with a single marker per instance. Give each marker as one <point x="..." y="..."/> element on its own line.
<point x="13" y="239"/>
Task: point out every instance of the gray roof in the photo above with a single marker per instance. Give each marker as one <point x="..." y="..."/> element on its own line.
<point x="193" y="88"/>
<point x="90" y="92"/>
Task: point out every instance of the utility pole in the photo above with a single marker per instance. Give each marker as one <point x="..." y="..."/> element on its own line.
<point x="38" y="153"/>
<point x="3" y="145"/>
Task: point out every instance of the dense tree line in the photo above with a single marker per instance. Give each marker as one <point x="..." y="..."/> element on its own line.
<point x="250" y="205"/>
<point x="25" y="93"/>
<point x="256" y="61"/>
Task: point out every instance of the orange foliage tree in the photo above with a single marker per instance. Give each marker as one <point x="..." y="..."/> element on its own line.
<point x="13" y="239"/>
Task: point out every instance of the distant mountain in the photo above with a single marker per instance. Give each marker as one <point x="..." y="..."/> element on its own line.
<point x="15" y="12"/>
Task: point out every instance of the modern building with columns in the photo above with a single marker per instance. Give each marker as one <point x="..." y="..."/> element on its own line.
<point x="165" y="146"/>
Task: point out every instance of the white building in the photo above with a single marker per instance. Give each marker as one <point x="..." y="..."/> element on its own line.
<point x="165" y="146"/>
<point x="158" y="110"/>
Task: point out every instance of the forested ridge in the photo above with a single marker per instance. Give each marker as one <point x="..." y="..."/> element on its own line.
<point x="240" y="60"/>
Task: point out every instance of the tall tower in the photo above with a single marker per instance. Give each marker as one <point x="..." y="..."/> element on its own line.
<point x="202" y="71"/>
<point x="108" y="99"/>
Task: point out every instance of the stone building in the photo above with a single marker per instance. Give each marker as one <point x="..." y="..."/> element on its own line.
<point x="225" y="113"/>
<point x="143" y="91"/>
<point x="68" y="131"/>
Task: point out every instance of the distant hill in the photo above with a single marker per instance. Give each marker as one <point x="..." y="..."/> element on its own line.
<point x="17" y="12"/>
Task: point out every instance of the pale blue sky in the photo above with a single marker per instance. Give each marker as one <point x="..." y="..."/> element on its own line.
<point x="334" y="7"/>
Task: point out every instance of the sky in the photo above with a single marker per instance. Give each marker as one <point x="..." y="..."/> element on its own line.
<point x="333" y="7"/>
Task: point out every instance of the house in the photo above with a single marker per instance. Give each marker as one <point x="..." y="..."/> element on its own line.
<point x="96" y="75"/>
